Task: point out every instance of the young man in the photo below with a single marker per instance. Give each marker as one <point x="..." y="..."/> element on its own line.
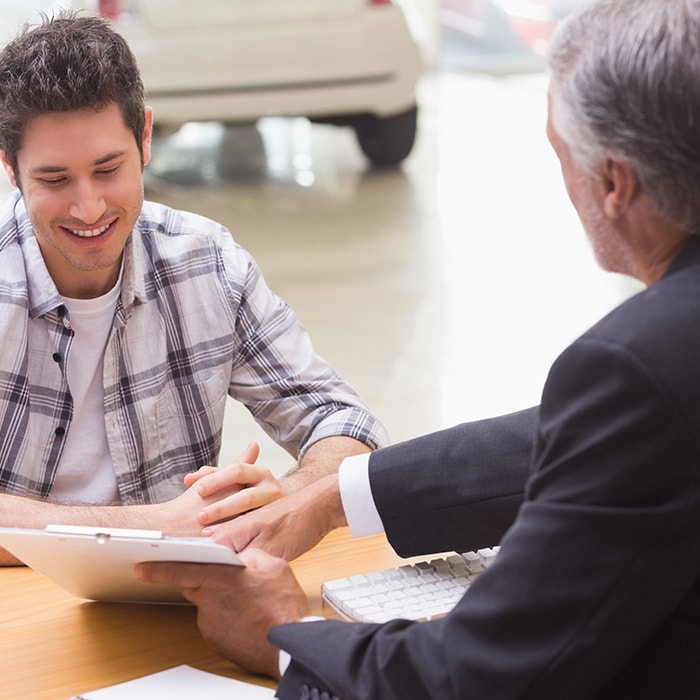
<point x="595" y="592"/>
<point x="126" y="324"/>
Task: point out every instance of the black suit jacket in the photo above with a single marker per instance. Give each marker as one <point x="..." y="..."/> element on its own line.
<point x="596" y="589"/>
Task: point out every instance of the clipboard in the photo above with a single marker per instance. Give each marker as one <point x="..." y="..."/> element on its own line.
<point x="97" y="563"/>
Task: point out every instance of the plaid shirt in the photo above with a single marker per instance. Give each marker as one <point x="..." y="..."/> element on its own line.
<point x="195" y="321"/>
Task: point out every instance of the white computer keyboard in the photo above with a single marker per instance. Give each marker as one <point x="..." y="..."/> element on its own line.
<point x="421" y="591"/>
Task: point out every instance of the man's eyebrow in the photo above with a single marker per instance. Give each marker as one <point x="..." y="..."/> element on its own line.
<point x="49" y="169"/>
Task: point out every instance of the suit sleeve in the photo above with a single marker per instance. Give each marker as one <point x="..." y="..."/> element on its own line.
<point x="457" y="489"/>
<point x="573" y="594"/>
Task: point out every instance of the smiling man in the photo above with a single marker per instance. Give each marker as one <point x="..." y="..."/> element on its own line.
<point x="80" y="176"/>
<point x="125" y="324"/>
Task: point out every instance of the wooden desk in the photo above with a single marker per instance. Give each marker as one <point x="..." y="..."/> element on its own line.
<point x="54" y="646"/>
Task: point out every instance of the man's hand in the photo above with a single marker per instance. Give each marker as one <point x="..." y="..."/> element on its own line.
<point x="237" y="488"/>
<point x="215" y="495"/>
<point x="290" y="525"/>
<point x="310" y="508"/>
<point x="237" y="606"/>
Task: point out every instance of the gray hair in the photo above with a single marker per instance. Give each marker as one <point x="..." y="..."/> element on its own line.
<point x="625" y="83"/>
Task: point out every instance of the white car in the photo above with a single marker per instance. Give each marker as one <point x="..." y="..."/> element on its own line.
<point x="346" y="62"/>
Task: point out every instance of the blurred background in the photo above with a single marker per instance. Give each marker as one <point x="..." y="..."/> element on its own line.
<point x="387" y="166"/>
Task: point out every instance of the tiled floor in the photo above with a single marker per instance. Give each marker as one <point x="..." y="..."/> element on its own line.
<point x="442" y="291"/>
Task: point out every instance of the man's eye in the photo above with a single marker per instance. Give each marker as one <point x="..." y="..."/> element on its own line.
<point x="52" y="182"/>
<point x="108" y="171"/>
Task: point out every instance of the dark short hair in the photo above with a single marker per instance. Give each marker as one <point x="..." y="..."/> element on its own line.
<point x="68" y="62"/>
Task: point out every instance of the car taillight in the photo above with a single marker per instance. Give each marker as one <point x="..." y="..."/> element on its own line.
<point x="111" y="9"/>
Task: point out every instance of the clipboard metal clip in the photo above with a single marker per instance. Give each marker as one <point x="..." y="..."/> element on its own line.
<point x="102" y="534"/>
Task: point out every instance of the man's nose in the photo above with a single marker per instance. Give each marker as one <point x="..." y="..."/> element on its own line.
<point x="88" y="203"/>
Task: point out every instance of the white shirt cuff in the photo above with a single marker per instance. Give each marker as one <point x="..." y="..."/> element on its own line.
<point x="356" y="496"/>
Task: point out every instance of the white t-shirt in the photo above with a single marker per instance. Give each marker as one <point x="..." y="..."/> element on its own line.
<point x="86" y="472"/>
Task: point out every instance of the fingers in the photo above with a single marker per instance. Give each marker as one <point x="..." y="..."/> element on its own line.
<point x="184" y="576"/>
<point x="193" y="577"/>
<point x="248" y="456"/>
<point x="244" y="500"/>
<point x="251" y="453"/>
<point x="287" y="527"/>
<point x="194" y="477"/>
<point x="258" y="559"/>
<point x="234" y="476"/>
<point x="275" y="528"/>
<point x="228" y="491"/>
<point x="239" y="473"/>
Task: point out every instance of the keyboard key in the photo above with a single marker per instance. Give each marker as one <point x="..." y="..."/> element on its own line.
<point x="422" y="591"/>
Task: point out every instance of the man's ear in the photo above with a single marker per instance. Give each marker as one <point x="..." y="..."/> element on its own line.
<point x="8" y="169"/>
<point x="619" y="186"/>
<point x="146" y="136"/>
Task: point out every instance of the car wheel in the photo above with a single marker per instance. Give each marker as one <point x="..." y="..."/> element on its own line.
<point x="241" y="152"/>
<point x="386" y="141"/>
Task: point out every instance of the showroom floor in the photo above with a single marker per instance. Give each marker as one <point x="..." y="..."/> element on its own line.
<point x="442" y="291"/>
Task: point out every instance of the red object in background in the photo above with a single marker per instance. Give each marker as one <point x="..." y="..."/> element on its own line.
<point x="535" y="34"/>
<point x="530" y="22"/>
<point x="111" y="9"/>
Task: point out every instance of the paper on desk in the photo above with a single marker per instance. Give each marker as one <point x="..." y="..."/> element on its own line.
<point x="181" y="683"/>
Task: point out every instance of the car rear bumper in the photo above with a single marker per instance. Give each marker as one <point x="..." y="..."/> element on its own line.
<point x="367" y="63"/>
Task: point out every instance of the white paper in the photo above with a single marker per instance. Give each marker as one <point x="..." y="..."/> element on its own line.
<point x="181" y="683"/>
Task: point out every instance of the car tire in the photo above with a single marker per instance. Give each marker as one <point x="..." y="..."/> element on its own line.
<point x="241" y="152"/>
<point x="386" y="141"/>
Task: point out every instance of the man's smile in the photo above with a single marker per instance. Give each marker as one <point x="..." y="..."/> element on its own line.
<point x="88" y="233"/>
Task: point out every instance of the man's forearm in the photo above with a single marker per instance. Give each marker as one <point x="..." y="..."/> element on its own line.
<point x="177" y="517"/>
<point x="321" y="459"/>
<point x="17" y="511"/>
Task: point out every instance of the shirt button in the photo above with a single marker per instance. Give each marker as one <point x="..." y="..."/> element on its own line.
<point x="60" y="431"/>
<point x="56" y="357"/>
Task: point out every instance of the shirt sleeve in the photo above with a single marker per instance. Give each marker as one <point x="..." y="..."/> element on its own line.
<point x="356" y="495"/>
<point x="294" y="394"/>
